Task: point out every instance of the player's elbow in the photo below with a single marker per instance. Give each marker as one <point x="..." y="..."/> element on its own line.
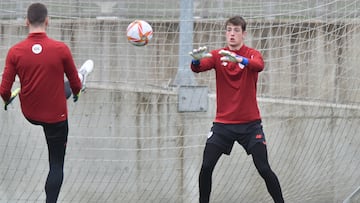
<point x="258" y="67"/>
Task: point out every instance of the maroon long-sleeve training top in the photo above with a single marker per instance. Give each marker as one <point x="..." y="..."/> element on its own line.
<point x="235" y="85"/>
<point x="40" y="63"/>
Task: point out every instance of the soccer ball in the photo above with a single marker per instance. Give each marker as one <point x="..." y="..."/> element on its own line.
<point x="139" y="33"/>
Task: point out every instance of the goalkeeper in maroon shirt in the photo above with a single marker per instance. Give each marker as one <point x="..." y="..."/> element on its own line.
<point x="40" y="63"/>
<point x="237" y="116"/>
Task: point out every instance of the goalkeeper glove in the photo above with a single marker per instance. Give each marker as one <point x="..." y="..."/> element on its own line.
<point x="76" y="96"/>
<point x="232" y="57"/>
<point x="12" y="97"/>
<point x="198" y="54"/>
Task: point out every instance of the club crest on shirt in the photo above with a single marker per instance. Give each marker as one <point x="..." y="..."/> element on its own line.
<point x="36" y="48"/>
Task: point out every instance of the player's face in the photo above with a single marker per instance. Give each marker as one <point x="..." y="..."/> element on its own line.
<point x="234" y="36"/>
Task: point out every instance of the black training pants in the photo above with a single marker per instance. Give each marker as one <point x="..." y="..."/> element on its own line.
<point x="211" y="156"/>
<point x="56" y="137"/>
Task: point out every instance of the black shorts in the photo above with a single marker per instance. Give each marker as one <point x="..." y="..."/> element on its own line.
<point x="247" y="135"/>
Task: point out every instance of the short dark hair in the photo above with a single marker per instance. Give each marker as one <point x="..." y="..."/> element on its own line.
<point x="238" y="21"/>
<point x="37" y="13"/>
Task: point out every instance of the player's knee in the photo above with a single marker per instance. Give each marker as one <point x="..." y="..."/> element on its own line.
<point x="206" y="169"/>
<point x="263" y="168"/>
<point x="265" y="171"/>
<point x="56" y="173"/>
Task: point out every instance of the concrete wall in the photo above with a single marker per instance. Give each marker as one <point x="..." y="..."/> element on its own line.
<point x="128" y="142"/>
<point x="303" y="60"/>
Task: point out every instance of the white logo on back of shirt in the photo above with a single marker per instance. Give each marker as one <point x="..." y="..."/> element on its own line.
<point x="36" y="48"/>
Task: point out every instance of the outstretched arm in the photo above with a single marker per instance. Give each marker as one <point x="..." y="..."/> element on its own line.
<point x="254" y="63"/>
<point x="199" y="55"/>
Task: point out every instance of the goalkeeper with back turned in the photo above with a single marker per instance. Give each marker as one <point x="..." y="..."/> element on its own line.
<point x="237" y="116"/>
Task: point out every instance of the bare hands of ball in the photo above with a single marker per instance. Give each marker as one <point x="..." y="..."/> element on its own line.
<point x="230" y="56"/>
<point x="200" y="53"/>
